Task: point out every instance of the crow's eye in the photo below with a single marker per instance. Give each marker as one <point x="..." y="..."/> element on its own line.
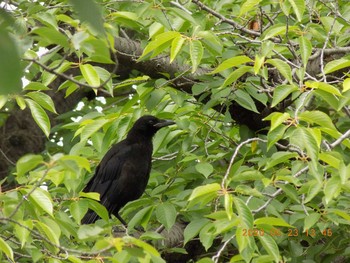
<point x="151" y="122"/>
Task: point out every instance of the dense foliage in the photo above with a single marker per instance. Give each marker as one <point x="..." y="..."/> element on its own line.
<point x="256" y="169"/>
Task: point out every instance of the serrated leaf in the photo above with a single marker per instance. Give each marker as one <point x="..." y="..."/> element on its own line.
<point x="36" y="86"/>
<point x="21" y="102"/>
<point x="176" y="46"/>
<point x="43" y="100"/>
<point x="259" y="61"/>
<point x="304" y="139"/>
<point x="278" y="29"/>
<point x="204" y="194"/>
<point x="318" y="117"/>
<point x="3" y="101"/>
<point x="193" y="228"/>
<point x="335" y="65"/>
<point x="244" y="212"/>
<point x="315" y="187"/>
<point x="89" y="129"/>
<point x="204" y="168"/>
<point x="10" y="67"/>
<point x="270" y="246"/>
<point x="4" y="247"/>
<point x="228" y="205"/>
<point x="49" y="233"/>
<point x="298" y="8"/>
<point x="346" y="85"/>
<point x="89" y="12"/>
<point x="282" y="67"/>
<point x="28" y="163"/>
<point x="42" y="199"/>
<point x="273" y="221"/>
<point x="78" y="209"/>
<point x="196" y="54"/>
<point x="90" y="75"/>
<point x="247" y="6"/>
<point x="277" y="118"/>
<point x="204" y="190"/>
<point x="281" y="92"/>
<point x="244" y="99"/>
<point x="279" y="157"/>
<point x="159" y="41"/>
<point x="39" y="116"/>
<point x="323" y="86"/>
<point x="22" y="231"/>
<point x="332" y="188"/>
<point x="166" y="214"/>
<point x="305" y="49"/>
<point x="311" y="220"/>
<point x="230" y="63"/>
<point x="236" y="74"/>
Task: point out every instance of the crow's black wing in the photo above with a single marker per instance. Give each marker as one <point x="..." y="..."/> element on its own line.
<point x="121" y="177"/>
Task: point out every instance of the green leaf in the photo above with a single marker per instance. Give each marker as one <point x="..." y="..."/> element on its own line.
<point x="3" y="101"/>
<point x="318" y="117"/>
<point x="332" y="188"/>
<point x="28" y="163"/>
<point x="236" y="74"/>
<point x="80" y="161"/>
<point x="91" y="195"/>
<point x="311" y="220"/>
<point x="281" y="92"/>
<point x="259" y="61"/>
<point x="335" y="65"/>
<point x="228" y="205"/>
<point x="10" y="68"/>
<point x="166" y="214"/>
<point x="51" y="36"/>
<point x="20" y="102"/>
<point x="193" y="228"/>
<point x="159" y="41"/>
<point x="42" y="199"/>
<point x="90" y="75"/>
<point x="90" y="127"/>
<point x="346" y="85"/>
<point x="305" y="49"/>
<point x="203" y="194"/>
<point x="39" y="116"/>
<point x="314" y="188"/>
<point x="272" y="221"/>
<point x="305" y="140"/>
<point x="176" y="45"/>
<point x="78" y="209"/>
<point x="230" y="63"/>
<point x="279" y="157"/>
<point x="298" y="8"/>
<point x="204" y="168"/>
<point x="36" y="86"/>
<point x="49" y="233"/>
<point x="323" y="86"/>
<point x="282" y="67"/>
<point x="196" y="54"/>
<point x="89" y="12"/>
<point x="247" y="6"/>
<point x="277" y="29"/>
<point x="270" y="246"/>
<point x="211" y="42"/>
<point x="277" y="118"/>
<point x="22" y="232"/>
<point x="4" y="247"/>
<point x="244" y="99"/>
<point x="244" y="212"/>
<point x="43" y="100"/>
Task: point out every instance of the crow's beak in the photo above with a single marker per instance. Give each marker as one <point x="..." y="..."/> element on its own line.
<point x="163" y="123"/>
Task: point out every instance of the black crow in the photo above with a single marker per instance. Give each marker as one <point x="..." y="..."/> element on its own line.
<point x="123" y="173"/>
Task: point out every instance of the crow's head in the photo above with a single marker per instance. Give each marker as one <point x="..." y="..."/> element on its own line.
<point x="148" y="125"/>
